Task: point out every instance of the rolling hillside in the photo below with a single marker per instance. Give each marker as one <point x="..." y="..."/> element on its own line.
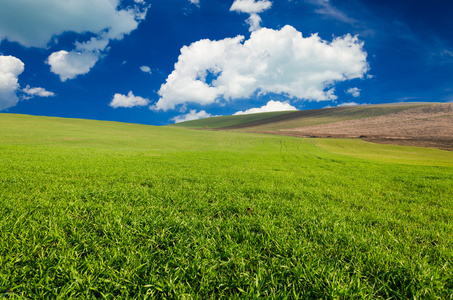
<point x="94" y="209"/>
<point x="414" y="124"/>
<point x="230" y="121"/>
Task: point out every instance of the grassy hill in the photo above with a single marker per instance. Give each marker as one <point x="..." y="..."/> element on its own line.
<point x="94" y="209"/>
<point x="226" y="121"/>
<point x="285" y="120"/>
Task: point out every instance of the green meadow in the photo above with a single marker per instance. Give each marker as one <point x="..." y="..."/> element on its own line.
<point x="92" y="209"/>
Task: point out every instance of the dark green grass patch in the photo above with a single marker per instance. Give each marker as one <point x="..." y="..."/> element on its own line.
<point x="107" y="210"/>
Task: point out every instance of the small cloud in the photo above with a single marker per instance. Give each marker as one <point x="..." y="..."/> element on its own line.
<point x="128" y="101"/>
<point x="250" y="6"/>
<point x="354" y="92"/>
<point x="254" y="21"/>
<point x="253" y="8"/>
<point x="68" y="65"/>
<point x="146" y="69"/>
<point x="192" y="115"/>
<point x="347" y="104"/>
<point x="39" y="92"/>
<point x="269" y="107"/>
<point x="351" y="104"/>
<point x="195" y="2"/>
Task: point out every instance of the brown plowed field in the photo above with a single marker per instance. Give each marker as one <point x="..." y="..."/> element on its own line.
<point x="426" y="126"/>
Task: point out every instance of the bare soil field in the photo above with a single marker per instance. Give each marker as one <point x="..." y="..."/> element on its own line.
<point x="426" y="126"/>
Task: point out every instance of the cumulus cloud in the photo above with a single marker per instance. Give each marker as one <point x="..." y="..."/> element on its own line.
<point x="10" y="68"/>
<point x="35" y="23"/>
<point x="146" y="69"/>
<point x="354" y="92"/>
<point x="128" y="101"/>
<point x="196" y="2"/>
<point x="192" y="115"/>
<point x="68" y="65"/>
<point x="37" y="91"/>
<point x="271" y="61"/>
<point x="250" y="6"/>
<point x="269" y="107"/>
<point x="253" y="8"/>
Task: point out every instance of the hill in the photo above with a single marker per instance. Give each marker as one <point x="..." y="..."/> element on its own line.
<point x="228" y="121"/>
<point x="93" y="209"/>
<point x="414" y="124"/>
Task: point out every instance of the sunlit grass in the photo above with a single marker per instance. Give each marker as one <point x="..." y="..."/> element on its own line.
<point x="109" y="210"/>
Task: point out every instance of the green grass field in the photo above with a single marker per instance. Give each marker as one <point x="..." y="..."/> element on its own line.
<point x="119" y="211"/>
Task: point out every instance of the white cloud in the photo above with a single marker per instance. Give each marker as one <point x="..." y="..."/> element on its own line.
<point x="347" y="104"/>
<point x="35" y="23"/>
<point x="271" y="61"/>
<point x="69" y="65"/>
<point x="354" y="92"/>
<point x="146" y="69"/>
<point x="269" y="107"/>
<point x="254" y="21"/>
<point x="196" y="2"/>
<point x="192" y="115"/>
<point x="128" y="101"/>
<point x="350" y="104"/>
<point x="40" y="92"/>
<point x="253" y="8"/>
<point x="10" y="68"/>
<point x="250" y="6"/>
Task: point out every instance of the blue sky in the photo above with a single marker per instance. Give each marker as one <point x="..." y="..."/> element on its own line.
<point x="156" y="62"/>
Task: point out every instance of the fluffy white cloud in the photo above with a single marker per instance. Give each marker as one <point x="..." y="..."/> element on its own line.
<point x="10" y="68"/>
<point x="250" y="6"/>
<point x="128" y="101"/>
<point x="196" y="2"/>
<point x="271" y="61"/>
<point x="146" y="69"/>
<point x="253" y="8"/>
<point x="40" y="92"/>
<point x="69" y="65"/>
<point x="269" y="107"/>
<point x="35" y="23"/>
<point x="254" y="21"/>
<point x="192" y="115"/>
<point x="354" y="92"/>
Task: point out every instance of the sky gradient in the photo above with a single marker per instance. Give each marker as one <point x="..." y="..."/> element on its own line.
<point x="157" y="62"/>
